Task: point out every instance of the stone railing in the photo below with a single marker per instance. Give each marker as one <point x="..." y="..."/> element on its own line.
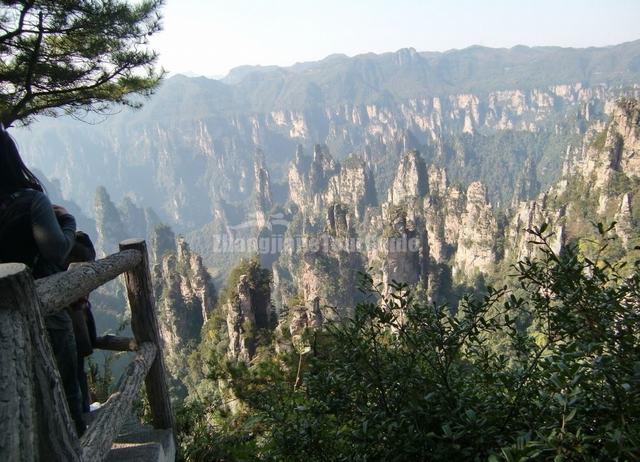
<point x="35" y="423"/>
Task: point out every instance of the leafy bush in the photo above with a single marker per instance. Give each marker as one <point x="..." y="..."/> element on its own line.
<point x="546" y="370"/>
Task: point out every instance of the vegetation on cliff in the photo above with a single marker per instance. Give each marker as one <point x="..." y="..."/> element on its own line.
<point x="543" y="368"/>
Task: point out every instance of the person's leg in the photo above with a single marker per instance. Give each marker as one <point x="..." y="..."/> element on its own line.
<point x="84" y="386"/>
<point x="63" y="344"/>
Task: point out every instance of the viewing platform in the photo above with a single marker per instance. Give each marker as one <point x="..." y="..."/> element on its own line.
<point x="35" y="422"/>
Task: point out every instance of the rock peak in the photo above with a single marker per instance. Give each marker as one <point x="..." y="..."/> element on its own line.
<point x="410" y="180"/>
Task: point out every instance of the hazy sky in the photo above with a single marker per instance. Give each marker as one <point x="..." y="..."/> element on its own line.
<point x="209" y="37"/>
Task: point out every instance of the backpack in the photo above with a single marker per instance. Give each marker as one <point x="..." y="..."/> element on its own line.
<point x="84" y="326"/>
<point x="16" y="235"/>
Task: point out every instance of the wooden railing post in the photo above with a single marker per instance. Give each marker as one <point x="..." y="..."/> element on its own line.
<point x="145" y="328"/>
<point x="35" y="423"/>
<point x="17" y="416"/>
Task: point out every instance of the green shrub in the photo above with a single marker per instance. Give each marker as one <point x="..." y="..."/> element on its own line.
<point x="548" y="369"/>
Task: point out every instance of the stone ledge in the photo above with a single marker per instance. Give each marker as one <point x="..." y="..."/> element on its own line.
<point x="143" y="446"/>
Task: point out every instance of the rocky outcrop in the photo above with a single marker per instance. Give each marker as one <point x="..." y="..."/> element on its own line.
<point x="528" y="215"/>
<point x="115" y="224"/>
<point x="594" y="187"/>
<point x="354" y="185"/>
<point x="476" y="239"/>
<point x="322" y="168"/>
<point x="184" y="293"/>
<point x="109" y="227"/>
<point x="241" y="321"/>
<point x="162" y="242"/>
<point x="339" y="221"/>
<point x="626" y="119"/>
<point x="248" y="310"/>
<point x="303" y="318"/>
<point x="410" y="180"/>
<point x="406" y="252"/>
<point x="624" y="219"/>
<point x="320" y="181"/>
<point x="614" y="150"/>
<point x="328" y="282"/>
<point x="263" y="198"/>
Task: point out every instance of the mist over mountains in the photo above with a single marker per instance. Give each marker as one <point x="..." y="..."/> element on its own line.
<point x="405" y="74"/>
<point x="394" y="256"/>
<point x="422" y="170"/>
<point x="482" y="113"/>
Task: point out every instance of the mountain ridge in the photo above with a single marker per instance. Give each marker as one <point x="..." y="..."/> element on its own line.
<point x="570" y="64"/>
<point x="191" y="145"/>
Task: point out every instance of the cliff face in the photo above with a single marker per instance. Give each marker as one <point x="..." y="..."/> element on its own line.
<point x="625" y="150"/>
<point x="180" y="159"/>
<point x="614" y="150"/>
<point x="406" y="239"/>
<point x="354" y="185"/>
<point x="625" y="227"/>
<point x="430" y="234"/>
<point x="410" y="180"/>
<point x="309" y="179"/>
<point x="405" y="253"/>
<point x="116" y="223"/>
<point x="599" y="184"/>
<point x="263" y="198"/>
<point x="241" y="321"/>
<point x="443" y="222"/>
<point x="109" y="226"/>
<point x="248" y="311"/>
<point x="527" y="215"/>
<point x="184" y="293"/>
<point x="478" y="232"/>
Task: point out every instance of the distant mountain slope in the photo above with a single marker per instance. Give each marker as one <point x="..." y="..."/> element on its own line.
<point x="370" y="78"/>
<point x="397" y="76"/>
<point x="191" y="147"/>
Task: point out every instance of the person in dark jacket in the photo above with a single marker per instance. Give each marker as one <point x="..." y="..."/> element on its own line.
<point x="40" y="235"/>
<point x="84" y="326"/>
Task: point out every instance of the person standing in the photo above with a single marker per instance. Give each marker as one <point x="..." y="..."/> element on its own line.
<point x="39" y="234"/>
<point x="84" y="326"/>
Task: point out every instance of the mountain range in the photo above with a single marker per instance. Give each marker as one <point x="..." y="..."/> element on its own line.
<point x="457" y="151"/>
<point x="193" y="142"/>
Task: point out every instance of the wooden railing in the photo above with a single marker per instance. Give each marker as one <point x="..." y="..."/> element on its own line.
<point x="35" y="423"/>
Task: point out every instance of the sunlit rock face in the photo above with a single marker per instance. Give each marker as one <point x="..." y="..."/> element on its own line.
<point x="263" y="198"/>
<point x="184" y="294"/>
<point x="247" y="311"/>
<point x="624" y="219"/>
<point x="410" y="180"/>
<point x="444" y="163"/>
<point x="476" y="239"/>
<point x="240" y="321"/>
<point x="626" y="120"/>
<point x="599" y="175"/>
<point x="193" y="143"/>
<point x="459" y="235"/>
